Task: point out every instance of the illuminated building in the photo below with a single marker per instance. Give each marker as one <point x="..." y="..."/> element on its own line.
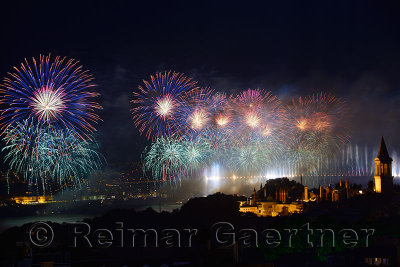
<point x="32" y="199"/>
<point x="383" y="170"/>
<point x="269" y="206"/>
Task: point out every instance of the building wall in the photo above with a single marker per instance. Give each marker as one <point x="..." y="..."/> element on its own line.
<point x="272" y="208"/>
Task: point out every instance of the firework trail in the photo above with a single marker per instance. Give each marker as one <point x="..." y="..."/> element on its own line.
<point x="197" y="153"/>
<point x="165" y="159"/>
<point x="246" y="159"/>
<point x="59" y="155"/>
<point x="168" y="159"/>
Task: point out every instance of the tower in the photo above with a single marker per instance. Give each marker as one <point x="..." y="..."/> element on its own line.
<point x="305" y="193"/>
<point x="383" y="170"/>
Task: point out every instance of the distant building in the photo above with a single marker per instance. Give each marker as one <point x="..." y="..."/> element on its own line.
<point x="383" y="170"/>
<point x="25" y="200"/>
<point x="270" y="206"/>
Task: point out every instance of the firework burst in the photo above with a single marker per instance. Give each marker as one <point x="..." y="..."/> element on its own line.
<point x="198" y="107"/>
<point x="319" y="121"/>
<point x="50" y="93"/>
<point x="260" y="116"/>
<point x="316" y="131"/>
<point x="249" y="133"/>
<point x="159" y="109"/>
<point x="223" y="125"/>
<point x="47" y="119"/>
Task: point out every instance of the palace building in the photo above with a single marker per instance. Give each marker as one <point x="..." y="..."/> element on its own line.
<point x="270" y="206"/>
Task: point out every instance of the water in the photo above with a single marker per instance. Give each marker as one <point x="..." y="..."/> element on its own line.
<point x="67" y="216"/>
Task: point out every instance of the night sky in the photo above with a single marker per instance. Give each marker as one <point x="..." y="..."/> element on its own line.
<point x="349" y="49"/>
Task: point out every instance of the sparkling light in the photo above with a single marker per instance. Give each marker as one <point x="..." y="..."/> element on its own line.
<point x="47" y="103"/>
<point x="164" y="106"/>
<point x="222" y="120"/>
<point x="252" y="120"/>
<point x="267" y="131"/>
<point x="159" y="105"/>
<point x="198" y="119"/>
<point x="302" y="124"/>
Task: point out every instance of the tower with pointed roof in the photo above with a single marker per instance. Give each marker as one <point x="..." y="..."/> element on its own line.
<point x="383" y="170"/>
